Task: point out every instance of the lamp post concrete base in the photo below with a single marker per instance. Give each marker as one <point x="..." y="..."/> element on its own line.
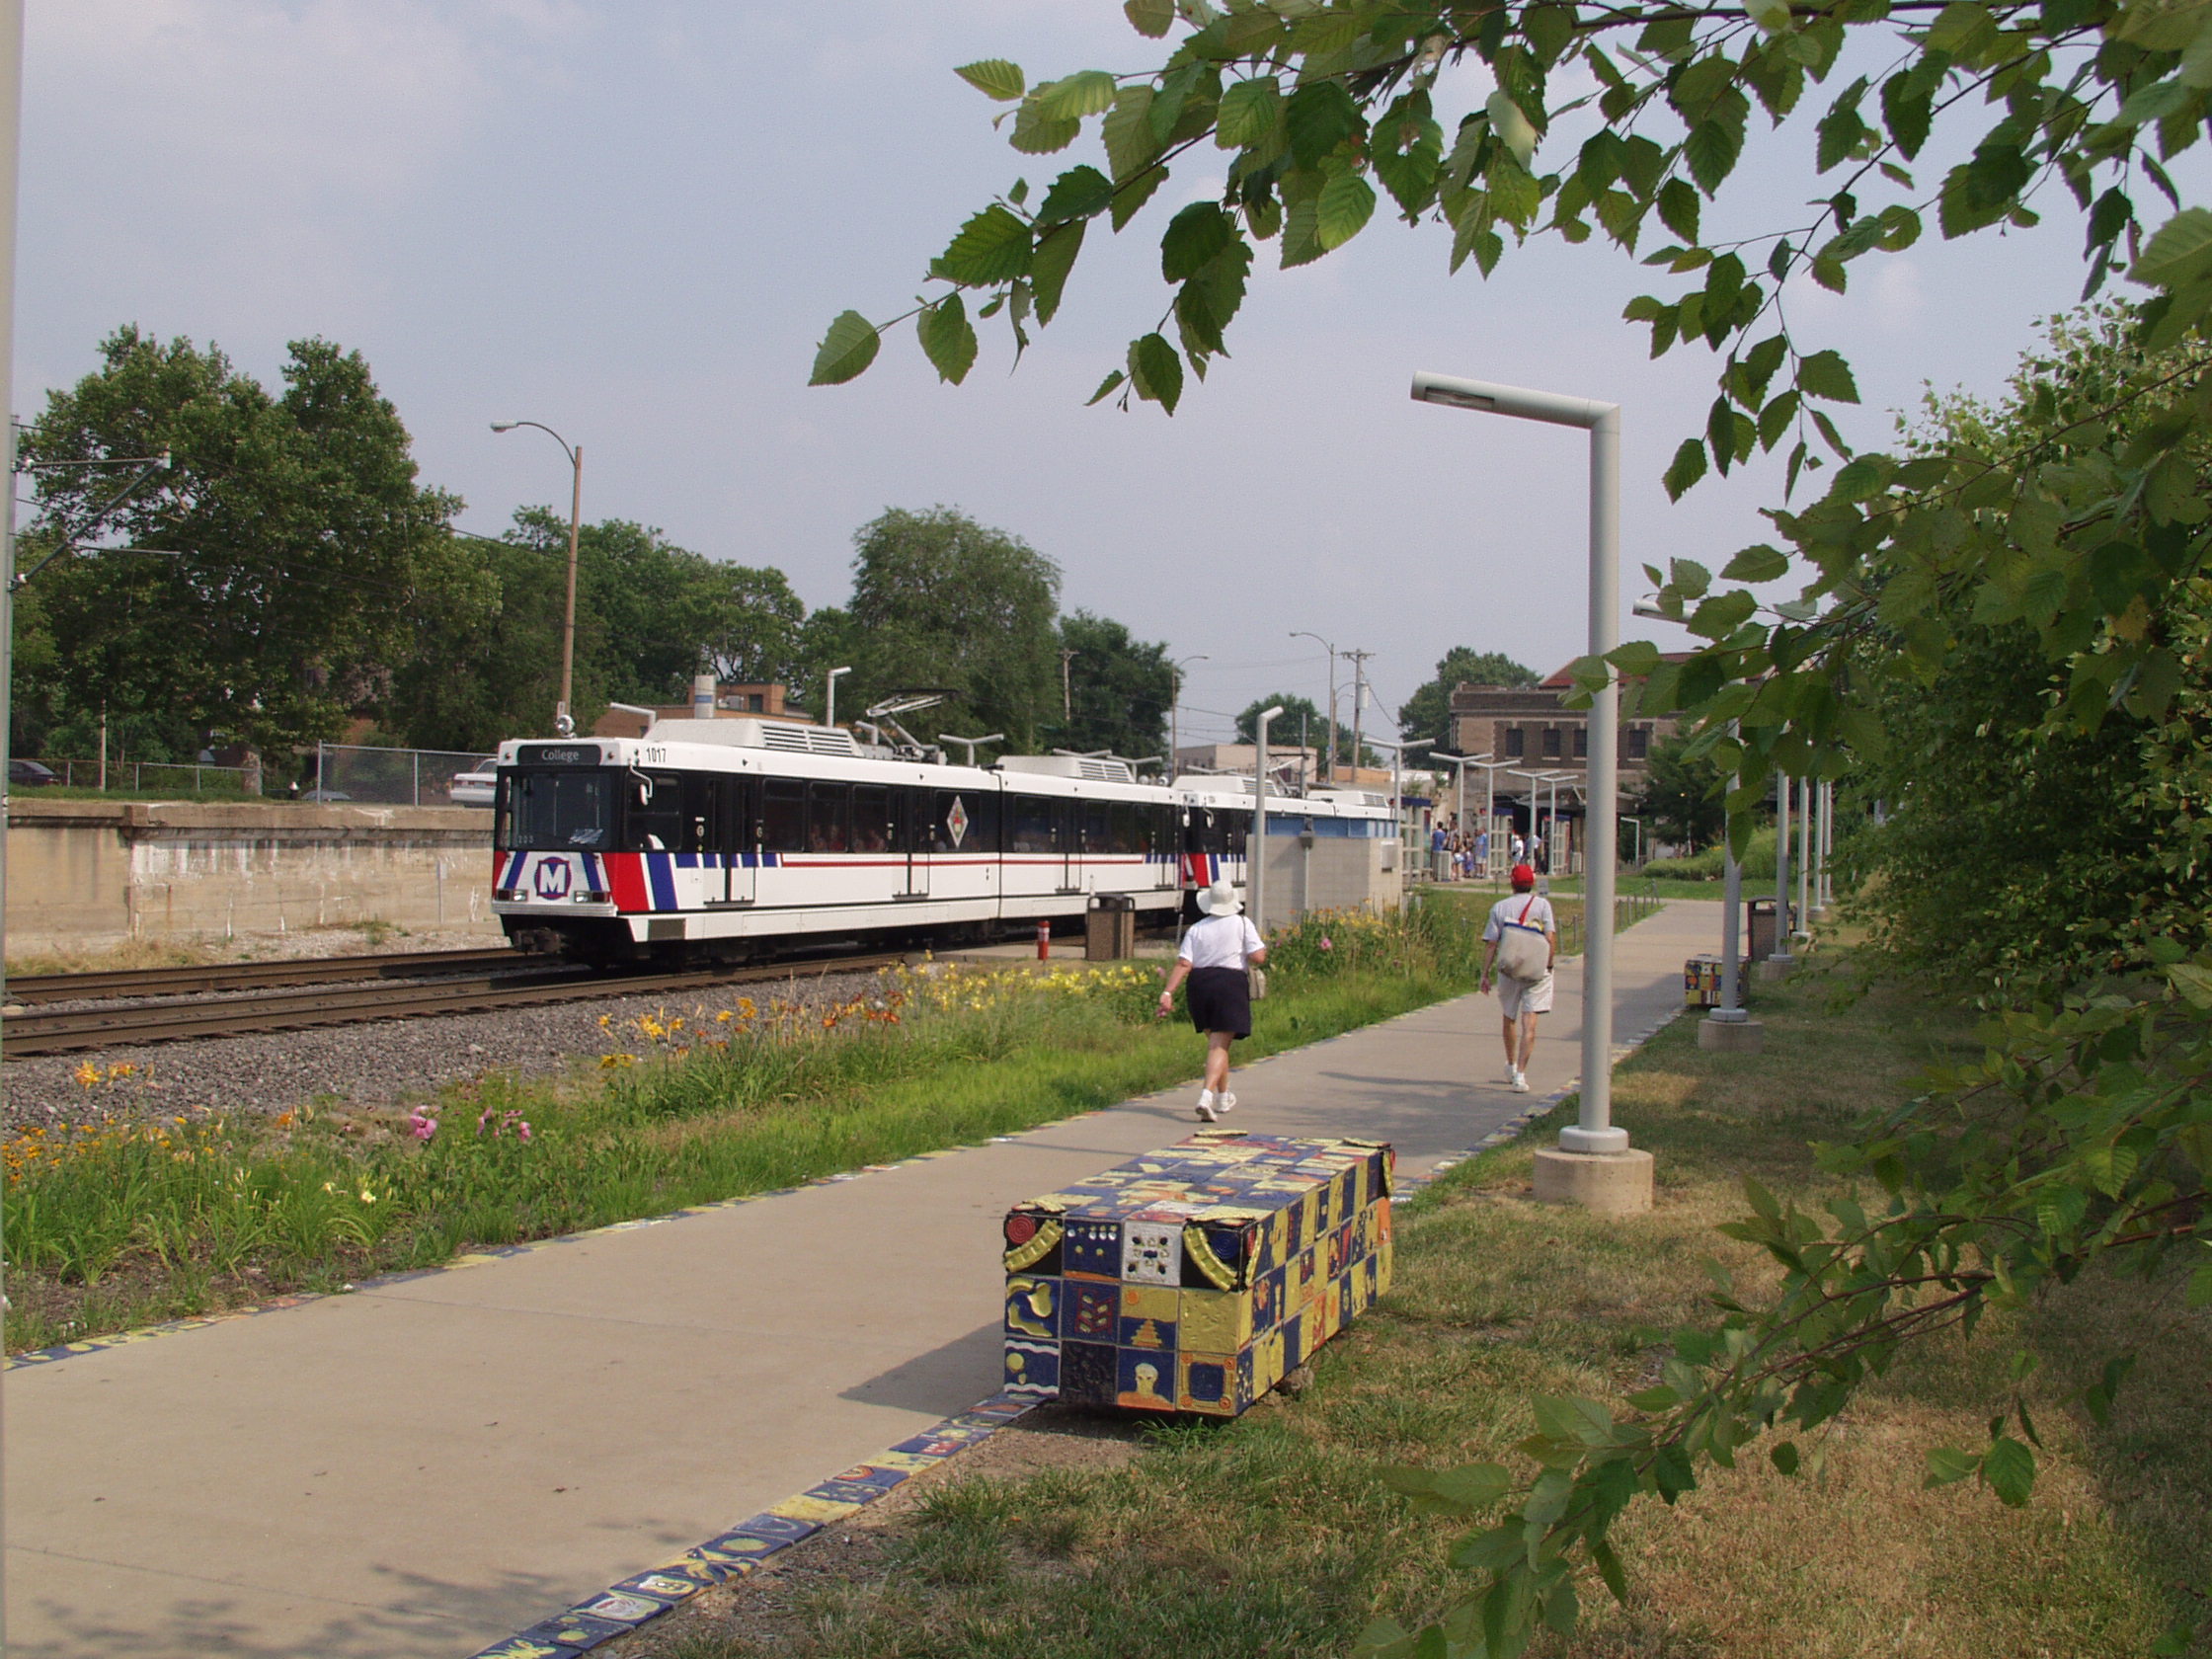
<point x="1608" y="1183"/>
<point x="1777" y="967"/>
<point x="1741" y="1036"/>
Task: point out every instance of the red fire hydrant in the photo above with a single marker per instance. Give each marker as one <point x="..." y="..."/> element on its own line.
<point x="1044" y="940"/>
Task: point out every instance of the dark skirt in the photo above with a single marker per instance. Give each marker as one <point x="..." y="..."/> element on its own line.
<point x="1221" y="999"/>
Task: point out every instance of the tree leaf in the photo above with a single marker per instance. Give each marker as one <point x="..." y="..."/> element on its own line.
<point x="994" y="77"/>
<point x="1948" y="1465"/>
<point x="1076" y="194"/>
<point x="1192" y="238"/>
<point x="992" y="247"/>
<point x="2010" y="1468"/>
<point x="2181" y="250"/>
<point x="1320" y="116"/>
<point x="1150" y="18"/>
<point x="1688" y="467"/>
<point x="1050" y="265"/>
<point x="1712" y="150"/>
<point x="1679" y="208"/>
<point x="847" y="349"/>
<point x="1514" y="129"/>
<point x="1346" y="203"/>
<point x="1757" y="563"/>
<point x="948" y="339"/>
<point x="1157" y="371"/>
<point x="1825" y="374"/>
<point x="1087" y="92"/>
<point x="1106" y="388"/>
<point x="1249" y="109"/>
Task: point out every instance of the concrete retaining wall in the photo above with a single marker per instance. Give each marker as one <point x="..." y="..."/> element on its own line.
<point x="89" y="874"/>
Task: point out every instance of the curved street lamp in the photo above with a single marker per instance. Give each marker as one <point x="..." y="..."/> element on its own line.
<point x="564" y="723"/>
<point x="1175" y="709"/>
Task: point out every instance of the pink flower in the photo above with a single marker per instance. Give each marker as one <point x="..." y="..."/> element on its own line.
<point x="524" y="1128"/>
<point x="1327" y="943"/>
<point x="421" y="1124"/>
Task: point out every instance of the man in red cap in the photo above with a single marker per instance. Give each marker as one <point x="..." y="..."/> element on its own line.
<point x="1519" y="946"/>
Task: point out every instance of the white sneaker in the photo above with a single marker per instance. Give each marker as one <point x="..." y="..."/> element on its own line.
<point x="1520" y="1082"/>
<point x="1226" y="1102"/>
<point x="1511" y="1076"/>
<point x="1206" y="1111"/>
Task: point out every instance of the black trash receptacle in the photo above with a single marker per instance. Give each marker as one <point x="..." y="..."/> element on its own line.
<point x="1110" y="927"/>
<point x="1758" y="930"/>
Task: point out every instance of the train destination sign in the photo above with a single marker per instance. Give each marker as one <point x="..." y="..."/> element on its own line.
<point x="558" y="754"/>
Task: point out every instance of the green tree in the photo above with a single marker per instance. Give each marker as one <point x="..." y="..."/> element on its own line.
<point x="1428" y="712"/>
<point x="1684" y="798"/>
<point x="1119" y="688"/>
<point x="752" y="625"/>
<point x="2085" y="1136"/>
<point x="1298" y="713"/>
<point x="942" y="602"/>
<point x="296" y="552"/>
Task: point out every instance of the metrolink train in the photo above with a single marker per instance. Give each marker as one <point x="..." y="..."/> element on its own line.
<point x="724" y="837"/>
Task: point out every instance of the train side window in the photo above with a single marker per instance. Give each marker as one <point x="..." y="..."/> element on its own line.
<point x="982" y="821"/>
<point x="1238" y="836"/>
<point x="784" y="815"/>
<point x="1166" y="830"/>
<point x="871" y="817"/>
<point x="1098" y="828"/>
<point x="656" y="812"/>
<point x="1032" y="830"/>
<point x="828" y="817"/>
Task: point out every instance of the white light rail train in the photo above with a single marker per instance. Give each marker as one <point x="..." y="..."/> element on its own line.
<point x="724" y="838"/>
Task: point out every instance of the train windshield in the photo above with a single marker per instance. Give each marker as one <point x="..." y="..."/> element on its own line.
<point x="553" y="810"/>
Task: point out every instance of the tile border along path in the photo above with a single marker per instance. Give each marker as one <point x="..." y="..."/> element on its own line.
<point x="411" y="1468"/>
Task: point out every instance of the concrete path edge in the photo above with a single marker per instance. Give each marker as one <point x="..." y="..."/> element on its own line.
<point x="637" y="1601"/>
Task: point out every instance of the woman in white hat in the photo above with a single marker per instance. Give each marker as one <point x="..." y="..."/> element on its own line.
<point x="1215" y="956"/>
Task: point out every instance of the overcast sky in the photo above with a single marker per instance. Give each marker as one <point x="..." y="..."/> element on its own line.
<point x="632" y="219"/>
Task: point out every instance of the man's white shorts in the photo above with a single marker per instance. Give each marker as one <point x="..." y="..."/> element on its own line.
<point x="1524" y="997"/>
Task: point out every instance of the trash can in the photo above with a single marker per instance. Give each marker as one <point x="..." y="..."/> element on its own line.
<point x="1110" y="927"/>
<point x="1758" y="930"/>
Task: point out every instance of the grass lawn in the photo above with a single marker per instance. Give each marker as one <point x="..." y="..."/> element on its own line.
<point x="114" y="1223"/>
<point x="1272" y="1536"/>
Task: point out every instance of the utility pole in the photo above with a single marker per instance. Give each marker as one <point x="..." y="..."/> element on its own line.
<point x="11" y="123"/>
<point x="1358" y="661"/>
<point x="1066" y="691"/>
<point x="1329" y="767"/>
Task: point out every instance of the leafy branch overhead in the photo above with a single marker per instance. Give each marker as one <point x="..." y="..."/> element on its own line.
<point x="1322" y="113"/>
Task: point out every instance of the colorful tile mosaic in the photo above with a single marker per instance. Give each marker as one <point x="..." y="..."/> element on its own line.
<point x="1194" y="1279"/>
<point x="644" y="1596"/>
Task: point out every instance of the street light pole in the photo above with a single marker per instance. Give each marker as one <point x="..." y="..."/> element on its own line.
<point x="1255" y="880"/>
<point x="564" y="721"/>
<point x="1594" y="1132"/>
<point x="11" y="120"/>
<point x="1301" y="633"/>
<point x="829" y="695"/>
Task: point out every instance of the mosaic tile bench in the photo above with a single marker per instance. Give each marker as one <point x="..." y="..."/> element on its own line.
<point x="1196" y="1277"/>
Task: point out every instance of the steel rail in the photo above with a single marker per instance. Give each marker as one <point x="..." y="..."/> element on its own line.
<point x="62" y="1031"/>
<point x="217" y="976"/>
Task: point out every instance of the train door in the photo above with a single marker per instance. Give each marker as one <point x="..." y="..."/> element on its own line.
<point x="917" y="839"/>
<point x="737" y="841"/>
<point x="1068" y="838"/>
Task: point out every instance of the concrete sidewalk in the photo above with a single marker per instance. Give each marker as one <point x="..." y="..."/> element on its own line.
<point x="424" y="1467"/>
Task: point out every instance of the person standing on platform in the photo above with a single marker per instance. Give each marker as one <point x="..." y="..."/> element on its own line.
<point x="1216" y="957"/>
<point x="1519" y="946"/>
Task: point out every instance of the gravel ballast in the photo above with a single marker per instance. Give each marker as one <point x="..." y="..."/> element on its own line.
<point x="372" y="1066"/>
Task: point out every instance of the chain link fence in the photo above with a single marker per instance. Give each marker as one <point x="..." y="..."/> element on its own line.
<point x="139" y="776"/>
<point x="397" y="778"/>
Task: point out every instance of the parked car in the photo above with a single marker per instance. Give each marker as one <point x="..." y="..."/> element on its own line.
<point x="321" y="794"/>
<point x="31" y="774"/>
<point x="474" y="788"/>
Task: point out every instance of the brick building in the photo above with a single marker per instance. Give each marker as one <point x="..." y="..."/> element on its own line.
<point x="1535" y="728"/>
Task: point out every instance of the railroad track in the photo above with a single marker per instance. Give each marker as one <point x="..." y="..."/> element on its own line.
<point x="64" y="1031"/>
<point x="252" y="976"/>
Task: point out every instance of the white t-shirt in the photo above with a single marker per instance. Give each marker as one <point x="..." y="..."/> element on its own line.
<point x="1222" y="941"/>
<point x="1506" y="913"/>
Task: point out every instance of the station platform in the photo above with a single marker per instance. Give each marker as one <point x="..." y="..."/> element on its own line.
<point x="426" y="1465"/>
